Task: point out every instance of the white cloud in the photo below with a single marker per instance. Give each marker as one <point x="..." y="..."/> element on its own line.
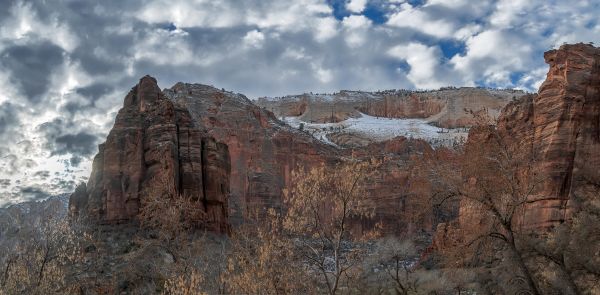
<point x="278" y="15"/>
<point x="510" y="11"/>
<point x="424" y="64"/>
<point x="324" y="75"/>
<point x="254" y="39"/>
<point x="325" y="28"/>
<point x="356" y="29"/>
<point x="417" y="19"/>
<point x="448" y="3"/>
<point x="24" y="23"/>
<point x="492" y="56"/>
<point x="197" y="13"/>
<point x="356" y="6"/>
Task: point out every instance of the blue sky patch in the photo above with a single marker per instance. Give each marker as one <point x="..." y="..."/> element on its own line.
<point x="451" y="48"/>
<point x="375" y="14"/>
<point x="339" y="8"/>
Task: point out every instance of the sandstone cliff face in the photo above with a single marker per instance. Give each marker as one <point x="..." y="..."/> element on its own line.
<point x="565" y="130"/>
<point x="560" y="128"/>
<point x="154" y="138"/>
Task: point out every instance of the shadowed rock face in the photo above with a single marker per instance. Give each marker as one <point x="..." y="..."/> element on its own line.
<point x="154" y="138"/>
<point x="170" y="133"/>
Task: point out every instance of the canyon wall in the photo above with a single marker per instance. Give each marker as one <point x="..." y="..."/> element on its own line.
<point x="444" y="107"/>
<point x="234" y="156"/>
<point x="264" y="151"/>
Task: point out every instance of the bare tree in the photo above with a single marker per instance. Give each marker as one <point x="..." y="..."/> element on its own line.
<point x="494" y="183"/>
<point x="320" y="206"/>
<point x="262" y="260"/>
<point x="169" y="212"/>
<point x="398" y="260"/>
<point x="43" y="260"/>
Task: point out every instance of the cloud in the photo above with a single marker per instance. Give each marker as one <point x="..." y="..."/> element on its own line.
<point x="426" y="71"/>
<point x="420" y="21"/>
<point x="31" y="193"/>
<point x="491" y="57"/>
<point x="31" y="66"/>
<point x="356" y="29"/>
<point x="61" y="139"/>
<point x="8" y="118"/>
<point x="94" y="91"/>
<point x="356" y="6"/>
<point x="81" y="143"/>
<point x="254" y="39"/>
<point x="4" y="183"/>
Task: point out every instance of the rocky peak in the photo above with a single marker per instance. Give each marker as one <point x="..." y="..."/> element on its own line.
<point x="145" y="93"/>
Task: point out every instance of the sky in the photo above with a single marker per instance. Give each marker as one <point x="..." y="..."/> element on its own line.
<point x="65" y="65"/>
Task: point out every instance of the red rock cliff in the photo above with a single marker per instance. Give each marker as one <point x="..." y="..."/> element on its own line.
<point x="564" y="130"/>
<point x="153" y="137"/>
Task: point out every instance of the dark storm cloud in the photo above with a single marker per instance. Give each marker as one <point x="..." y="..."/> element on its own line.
<point x="61" y="140"/>
<point x="31" y="193"/>
<point x="95" y="65"/>
<point x="94" y="91"/>
<point x="4" y="183"/>
<point x="81" y="143"/>
<point x="75" y="161"/>
<point x="8" y="118"/>
<point x="30" y="66"/>
<point x="61" y="184"/>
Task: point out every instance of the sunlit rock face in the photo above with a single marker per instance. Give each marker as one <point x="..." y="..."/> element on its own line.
<point x="154" y="138"/>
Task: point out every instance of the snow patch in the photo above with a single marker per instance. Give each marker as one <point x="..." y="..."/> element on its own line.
<point x="381" y="129"/>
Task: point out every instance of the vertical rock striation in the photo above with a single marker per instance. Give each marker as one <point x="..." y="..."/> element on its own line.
<point x="565" y="130"/>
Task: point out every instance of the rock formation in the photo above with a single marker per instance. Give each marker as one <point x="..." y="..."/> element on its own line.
<point x="560" y="129"/>
<point x="239" y="173"/>
<point x="152" y="137"/>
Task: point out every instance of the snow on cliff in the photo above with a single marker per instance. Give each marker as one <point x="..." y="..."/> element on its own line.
<point x="380" y="129"/>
